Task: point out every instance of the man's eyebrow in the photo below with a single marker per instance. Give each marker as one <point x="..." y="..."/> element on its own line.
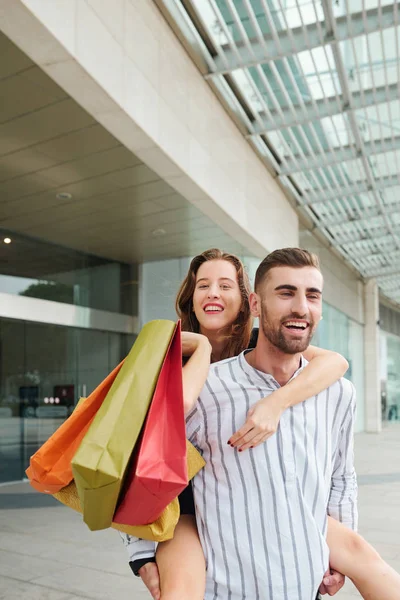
<point x="293" y="288"/>
<point x="286" y="286"/>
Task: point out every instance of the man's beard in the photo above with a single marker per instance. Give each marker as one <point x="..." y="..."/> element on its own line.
<point x="275" y="334"/>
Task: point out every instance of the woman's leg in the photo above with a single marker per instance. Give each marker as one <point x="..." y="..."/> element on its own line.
<point x="352" y="556"/>
<point x="181" y="563"/>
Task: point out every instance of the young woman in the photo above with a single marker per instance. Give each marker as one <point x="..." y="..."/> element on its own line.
<point x="213" y="305"/>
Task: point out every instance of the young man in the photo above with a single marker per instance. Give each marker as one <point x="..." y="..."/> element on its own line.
<point x="262" y="514"/>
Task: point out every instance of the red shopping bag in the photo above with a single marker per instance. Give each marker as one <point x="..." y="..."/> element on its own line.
<point x="159" y="470"/>
<point x="50" y="467"/>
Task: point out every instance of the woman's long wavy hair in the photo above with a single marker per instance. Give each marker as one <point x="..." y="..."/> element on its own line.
<point x="237" y="339"/>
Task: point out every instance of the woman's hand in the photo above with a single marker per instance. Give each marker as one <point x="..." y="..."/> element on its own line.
<point x="151" y="578"/>
<point x="262" y="422"/>
<point x="191" y="341"/>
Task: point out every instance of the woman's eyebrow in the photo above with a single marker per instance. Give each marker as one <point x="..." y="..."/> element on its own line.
<point x="220" y="279"/>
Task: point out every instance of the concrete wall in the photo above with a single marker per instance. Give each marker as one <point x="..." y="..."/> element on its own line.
<point x="121" y="61"/>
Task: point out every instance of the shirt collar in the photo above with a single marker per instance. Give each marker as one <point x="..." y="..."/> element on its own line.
<point x="255" y="375"/>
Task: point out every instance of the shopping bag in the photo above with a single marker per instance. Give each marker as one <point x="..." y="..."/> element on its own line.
<point x="159" y="472"/>
<point x="50" y="467"/>
<point x="163" y="528"/>
<point x="100" y="464"/>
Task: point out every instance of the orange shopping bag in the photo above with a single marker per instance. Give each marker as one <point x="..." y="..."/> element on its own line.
<point x="50" y="467"/>
<point x="159" y="470"/>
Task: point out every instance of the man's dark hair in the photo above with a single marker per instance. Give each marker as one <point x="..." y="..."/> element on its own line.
<point x="285" y="257"/>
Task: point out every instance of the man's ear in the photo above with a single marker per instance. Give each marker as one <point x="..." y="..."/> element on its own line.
<point x="255" y="304"/>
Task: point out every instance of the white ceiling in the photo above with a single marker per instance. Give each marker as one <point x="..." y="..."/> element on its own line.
<point x="49" y="144"/>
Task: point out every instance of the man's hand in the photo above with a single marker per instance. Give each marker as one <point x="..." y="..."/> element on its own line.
<point x="332" y="582"/>
<point x="262" y="422"/>
<point x="151" y="578"/>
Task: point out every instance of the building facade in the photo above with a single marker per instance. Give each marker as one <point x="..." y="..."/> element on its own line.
<point x="119" y="162"/>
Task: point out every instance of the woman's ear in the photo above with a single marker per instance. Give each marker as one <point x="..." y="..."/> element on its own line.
<point x="255" y="305"/>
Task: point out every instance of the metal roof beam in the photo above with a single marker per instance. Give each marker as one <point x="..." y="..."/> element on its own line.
<point x="301" y="39"/>
<point x="352" y="243"/>
<point x="337" y="155"/>
<point x="369" y="213"/>
<point x="389" y="289"/>
<point x="357" y="236"/>
<point x="390" y="269"/>
<point x="323" y="108"/>
<point x="359" y="187"/>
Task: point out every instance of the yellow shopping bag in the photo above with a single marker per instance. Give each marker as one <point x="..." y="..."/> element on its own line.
<point x="101" y="462"/>
<point x="163" y="528"/>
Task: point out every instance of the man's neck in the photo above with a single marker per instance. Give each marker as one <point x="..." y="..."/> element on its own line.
<point x="269" y="359"/>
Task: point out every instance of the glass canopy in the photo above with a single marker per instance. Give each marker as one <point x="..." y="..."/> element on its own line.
<point x="316" y="85"/>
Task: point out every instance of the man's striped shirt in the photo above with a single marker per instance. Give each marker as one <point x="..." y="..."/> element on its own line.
<point x="262" y="513"/>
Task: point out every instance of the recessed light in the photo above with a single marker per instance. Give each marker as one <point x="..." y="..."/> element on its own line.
<point x="64" y="196"/>
<point x="158" y="232"/>
<point x="7" y="240"/>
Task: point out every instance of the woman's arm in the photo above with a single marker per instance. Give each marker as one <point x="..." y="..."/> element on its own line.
<point x="195" y="371"/>
<point x="325" y="367"/>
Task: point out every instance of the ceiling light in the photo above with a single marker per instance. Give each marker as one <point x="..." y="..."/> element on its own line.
<point x="158" y="232"/>
<point x="7" y="240"/>
<point x="64" y="196"/>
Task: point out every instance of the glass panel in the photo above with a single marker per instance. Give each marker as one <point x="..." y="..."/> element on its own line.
<point x="380" y="121"/>
<point x="371" y="60"/>
<point x="50" y="383"/>
<point x="43" y="371"/>
<point x="333" y="331"/>
<point x="160" y="281"/>
<point x="12" y="387"/>
<point x="93" y="359"/>
<point x="41" y="270"/>
<point x="391" y="391"/>
<point x="318" y="73"/>
<point x="386" y="163"/>
<point x="356" y="369"/>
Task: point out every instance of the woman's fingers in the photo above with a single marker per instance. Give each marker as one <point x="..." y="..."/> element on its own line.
<point x="240" y="433"/>
<point x="262" y="420"/>
<point x="151" y="579"/>
<point x="255" y="441"/>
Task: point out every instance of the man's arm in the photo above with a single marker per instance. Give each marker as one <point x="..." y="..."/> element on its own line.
<point x="342" y="504"/>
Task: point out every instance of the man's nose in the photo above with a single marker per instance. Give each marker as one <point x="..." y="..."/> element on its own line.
<point x="300" y="305"/>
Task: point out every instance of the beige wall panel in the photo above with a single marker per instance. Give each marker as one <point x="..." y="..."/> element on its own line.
<point x="124" y="65"/>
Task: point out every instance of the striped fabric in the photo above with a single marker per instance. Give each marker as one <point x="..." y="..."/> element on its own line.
<point x="262" y="514"/>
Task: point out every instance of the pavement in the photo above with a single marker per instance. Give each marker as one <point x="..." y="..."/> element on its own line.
<point x="47" y="553"/>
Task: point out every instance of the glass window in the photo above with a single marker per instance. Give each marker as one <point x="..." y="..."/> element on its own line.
<point x="41" y="270"/>
<point x="391" y="409"/>
<point x="340" y="333"/>
<point x="44" y="369"/>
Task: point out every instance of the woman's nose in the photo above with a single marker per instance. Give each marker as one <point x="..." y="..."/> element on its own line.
<point x="213" y="291"/>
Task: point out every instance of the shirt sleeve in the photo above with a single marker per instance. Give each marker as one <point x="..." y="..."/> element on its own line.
<point x="194" y="427"/>
<point x="137" y="548"/>
<point x="342" y="504"/>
